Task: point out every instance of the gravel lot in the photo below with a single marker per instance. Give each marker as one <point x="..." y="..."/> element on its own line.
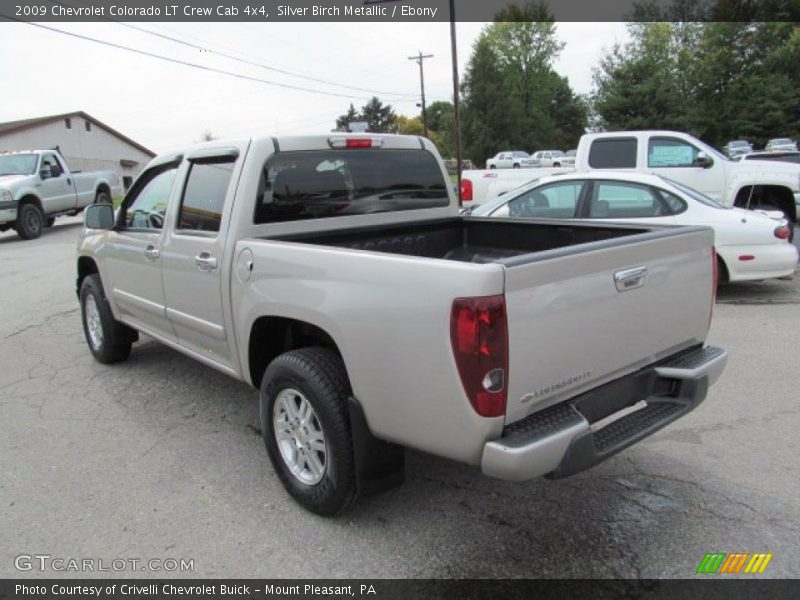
<point x="159" y="457"/>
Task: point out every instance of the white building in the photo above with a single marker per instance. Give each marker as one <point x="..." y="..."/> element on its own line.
<point x="85" y="142"/>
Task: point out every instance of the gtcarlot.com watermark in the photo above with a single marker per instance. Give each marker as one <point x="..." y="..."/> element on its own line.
<point x="46" y="562"/>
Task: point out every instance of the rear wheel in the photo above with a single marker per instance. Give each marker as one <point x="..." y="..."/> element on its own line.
<point x="30" y="221"/>
<point x="306" y="428"/>
<point x="492" y="166"/>
<point x="516" y="165"/>
<point x="102" y="197"/>
<point x="722" y="272"/>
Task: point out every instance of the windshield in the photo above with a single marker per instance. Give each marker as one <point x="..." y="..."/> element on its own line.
<point x="313" y="184"/>
<point x="17" y="164"/>
<point x="692" y="193"/>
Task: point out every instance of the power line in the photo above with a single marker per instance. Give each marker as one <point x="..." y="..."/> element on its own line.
<point x="246" y="61"/>
<point x="182" y="62"/>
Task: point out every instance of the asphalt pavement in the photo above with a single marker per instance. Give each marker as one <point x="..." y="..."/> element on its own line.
<point x="160" y="458"/>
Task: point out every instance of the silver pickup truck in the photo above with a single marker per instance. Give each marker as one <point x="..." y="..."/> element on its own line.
<point x="37" y="186"/>
<point x="334" y="274"/>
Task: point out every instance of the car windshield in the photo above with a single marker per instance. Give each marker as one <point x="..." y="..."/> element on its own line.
<point x="17" y="164"/>
<point x="692" y="193"/>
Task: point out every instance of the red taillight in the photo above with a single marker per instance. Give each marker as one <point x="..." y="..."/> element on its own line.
<point x="466" y="190"/>
<point x="479" y="335"/>
<point x="358" y="143"/>
<point x="782" y="232"/>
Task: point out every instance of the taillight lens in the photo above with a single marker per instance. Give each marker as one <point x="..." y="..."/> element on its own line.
<point x="479" y="335"/>
<point x="782" y="232"/>
<point x="466" y="190"/>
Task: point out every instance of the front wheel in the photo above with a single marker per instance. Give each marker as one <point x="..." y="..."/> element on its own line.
<point x="306" y="428"/>
<point x="516" y="165"/>
<point x="30" y="221"/>
<point x="109" y="340"/>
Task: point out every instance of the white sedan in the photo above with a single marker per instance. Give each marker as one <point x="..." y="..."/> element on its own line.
<point x="749" y="244"/>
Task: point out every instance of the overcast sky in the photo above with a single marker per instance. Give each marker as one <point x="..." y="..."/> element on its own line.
<point x="163" y="105"/>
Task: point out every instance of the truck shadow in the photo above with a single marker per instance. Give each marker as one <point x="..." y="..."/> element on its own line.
<point x="447" y="520"/>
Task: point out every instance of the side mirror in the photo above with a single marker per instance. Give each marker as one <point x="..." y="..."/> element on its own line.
<point x="55" y="171"/>
<point x="99" y="216"/>
<point x="45" y="172"/>
<point x="703" y="160"/>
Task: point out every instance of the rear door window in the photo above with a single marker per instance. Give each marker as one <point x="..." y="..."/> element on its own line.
<point x="613" y="153"/>
<point x="554" y="201"/>
<point x="204" y="194"/>
<point x="313" y="184"/>
<point x="614" y="200"/>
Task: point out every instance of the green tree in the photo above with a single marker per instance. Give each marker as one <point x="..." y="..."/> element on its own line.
<point x="513" y="98"/>
<point x="380" y="116"/>
<point x="440" y="121"/>
<point x="343" y="122"/>
<point x="718" y="80"/>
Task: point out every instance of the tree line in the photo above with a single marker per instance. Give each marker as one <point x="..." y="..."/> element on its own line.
<point x="717" y="80"/>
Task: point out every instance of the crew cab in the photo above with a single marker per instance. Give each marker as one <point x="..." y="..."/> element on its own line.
<point x="511" y="160"/>
<point x="334" y="274"/>
<point x="37" y="186"/>
<point x="678" y="156"/>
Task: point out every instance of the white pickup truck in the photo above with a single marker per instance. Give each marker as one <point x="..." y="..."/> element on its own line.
<point x="37" y="186"/>
<point x="677" y="156"/>
<point x="334" y="274"/>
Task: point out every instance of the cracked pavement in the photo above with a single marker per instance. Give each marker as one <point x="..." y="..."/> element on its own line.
<point x="159" y="457"/>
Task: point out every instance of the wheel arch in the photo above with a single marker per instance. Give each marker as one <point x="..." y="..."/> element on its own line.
<point x="779" y="196"/>
<point x="271" y="336"/>
<point x="30" y="198"/>
<point x="86" y="266"/>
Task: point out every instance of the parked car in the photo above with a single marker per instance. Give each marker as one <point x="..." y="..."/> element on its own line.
<point x="781" y="145"/>
<point x="679" y="156"/>
<point x="736" y="148"/>
<point x="750" y="245"/>
<point x="334" y="274"/>
<point x="37" y="186"/>
<point x="554" y="158"/>
<point x="511" y="160"/>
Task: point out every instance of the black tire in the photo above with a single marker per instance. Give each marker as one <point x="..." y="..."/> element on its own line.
<point x="30" y="221"/>
<point x="722" y="272"/>
<point x="50" y="222"/>
<point x="492" y="166"/>
<point x="516" y="165"/>
<point x="556" y="164"/>
<point x="102" y="197"/>
<point x="319" y="376"/>
<point x="117" y="338"/>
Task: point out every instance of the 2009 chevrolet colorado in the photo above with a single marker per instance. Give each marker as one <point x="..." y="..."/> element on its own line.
<point x="334" y="274"/>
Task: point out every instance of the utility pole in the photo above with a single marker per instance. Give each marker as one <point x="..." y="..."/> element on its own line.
<point x="456" y="115"/>
<point x="419" y="58"/>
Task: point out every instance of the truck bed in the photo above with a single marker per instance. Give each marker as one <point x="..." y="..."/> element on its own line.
<point x="468" y="239"/>
<point x="575" y="322"/>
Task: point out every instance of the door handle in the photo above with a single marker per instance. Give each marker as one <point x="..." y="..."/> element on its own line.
<point x="151" y="253"/>
<point x="205" y="261"/>
<point x="630" y="279"/>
